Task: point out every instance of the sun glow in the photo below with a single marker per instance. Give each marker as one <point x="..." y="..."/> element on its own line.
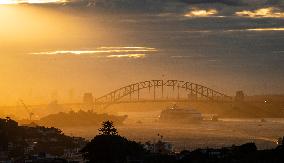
<point x="21" y="22"/>
<point x="6" y="2"/>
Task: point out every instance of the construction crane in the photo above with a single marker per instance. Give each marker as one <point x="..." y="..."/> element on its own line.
<point x="27" y="109"/>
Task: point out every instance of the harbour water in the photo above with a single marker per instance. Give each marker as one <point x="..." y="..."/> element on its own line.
<point x="145" y="127"/>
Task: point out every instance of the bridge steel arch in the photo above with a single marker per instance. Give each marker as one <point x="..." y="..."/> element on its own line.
<point x="192" y="89"/>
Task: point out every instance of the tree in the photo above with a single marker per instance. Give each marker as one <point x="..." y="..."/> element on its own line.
<point x="109" y="147"/>
<point x="108" y="128"/>
<point x="248" y="148"/>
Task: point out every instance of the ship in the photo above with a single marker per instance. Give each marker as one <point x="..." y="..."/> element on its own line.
<point x="180" y="115"/>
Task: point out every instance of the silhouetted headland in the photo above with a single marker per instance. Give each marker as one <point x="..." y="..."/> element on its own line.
<point x="48" y="145"/>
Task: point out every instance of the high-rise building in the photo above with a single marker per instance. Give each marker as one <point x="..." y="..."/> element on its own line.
<point x="88" y="101"/>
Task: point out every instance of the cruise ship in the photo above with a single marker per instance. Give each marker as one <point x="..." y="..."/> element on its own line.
<point x="180" y="115"/>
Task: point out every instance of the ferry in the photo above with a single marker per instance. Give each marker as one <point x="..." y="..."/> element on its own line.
<point x="180" y="115"/>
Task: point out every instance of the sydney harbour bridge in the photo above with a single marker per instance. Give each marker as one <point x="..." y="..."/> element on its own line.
<point x="161" y="91"/>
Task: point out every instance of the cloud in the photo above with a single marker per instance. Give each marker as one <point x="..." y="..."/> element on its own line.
<point x="269" y="12"/>
<point x="127" y="56"/>
<point x="159" y="6"/>
<point x="201" y="13"/>
<point x="266" y="29"/>
<point x="238" y="2"/>
<point x="109" y="52"/>
<point x="276" y="29"/>
<point x="146" y="3"/>
<point x="226" y="2"/>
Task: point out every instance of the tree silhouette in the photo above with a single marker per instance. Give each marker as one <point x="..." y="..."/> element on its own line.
<point x="108" y="128"/>
<point x="109" y="147"/>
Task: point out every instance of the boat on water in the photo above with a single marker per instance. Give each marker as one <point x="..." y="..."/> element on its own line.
<point x="180" y="115"/>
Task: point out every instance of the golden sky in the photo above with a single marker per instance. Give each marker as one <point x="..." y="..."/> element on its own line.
<point x="31" y="1"/>
<point x="50" y="47"/>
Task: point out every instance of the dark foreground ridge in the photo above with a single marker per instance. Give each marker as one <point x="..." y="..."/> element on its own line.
<point x="35" y="144"/>
<point x="48" y="145"/>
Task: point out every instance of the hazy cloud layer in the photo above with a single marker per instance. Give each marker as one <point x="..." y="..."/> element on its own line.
<point x="157" y="5"/>
<point x="222" y="7"/>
